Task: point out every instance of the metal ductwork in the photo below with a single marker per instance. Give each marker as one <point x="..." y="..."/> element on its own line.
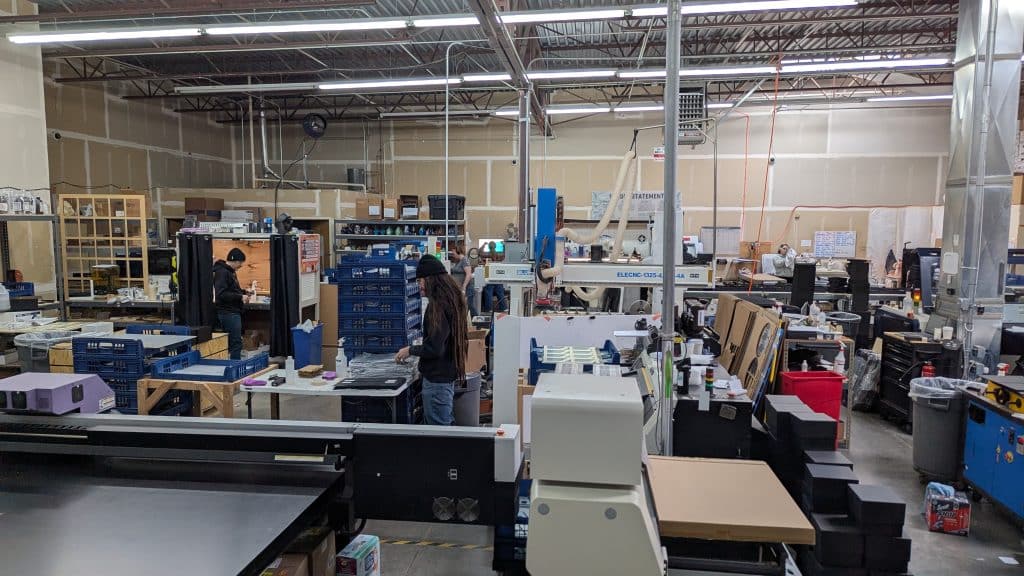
<point x="986" y="90"/>
<point x="268" y="172"/>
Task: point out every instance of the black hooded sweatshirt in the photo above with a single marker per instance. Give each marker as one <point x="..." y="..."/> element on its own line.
<point x="228" y="295"/>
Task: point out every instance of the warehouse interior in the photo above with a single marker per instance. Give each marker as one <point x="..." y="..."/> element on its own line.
<point x="383" y="286"/>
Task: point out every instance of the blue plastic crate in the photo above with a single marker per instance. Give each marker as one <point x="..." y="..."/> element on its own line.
<point x="165" y="368"/>
<point x="374" y="270"/>
<point x="168" y="329"/>
<point x="17" y="289"/>
<point x="378" y="305"/>
<point x="107" y="347"/>
<point x="126" y="398"/>
<point x="349" y="288"/>
<point x="118" y="367"/>
<point x="362" y="324"/>
<point x="356" y="344"/>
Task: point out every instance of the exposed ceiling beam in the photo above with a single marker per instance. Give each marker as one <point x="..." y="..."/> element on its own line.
<point x="501" y="41"/>
<point x="182" y="8"/>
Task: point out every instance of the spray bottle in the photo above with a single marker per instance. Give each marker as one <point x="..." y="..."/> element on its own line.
<point x="341" y="361"/>
<point x="839" y="365"/>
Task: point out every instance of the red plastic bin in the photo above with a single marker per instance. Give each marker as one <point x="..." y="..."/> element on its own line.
<point x="821" y="391"/>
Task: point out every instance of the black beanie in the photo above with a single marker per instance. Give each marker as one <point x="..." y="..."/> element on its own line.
<point x="429" y="266"/>
<point x="236" y="255"/>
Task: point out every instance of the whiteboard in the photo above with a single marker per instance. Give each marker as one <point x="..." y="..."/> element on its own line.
<point x="728" y="239"/>
<point x="835" y="244"/>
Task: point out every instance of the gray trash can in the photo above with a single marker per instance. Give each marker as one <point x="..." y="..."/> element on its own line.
<point x="467" y="401"/>
<point x="34" y="348"/>
<point x="938" y="422"/>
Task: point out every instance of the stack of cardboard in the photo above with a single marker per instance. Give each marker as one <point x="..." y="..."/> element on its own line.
<point x="204" y="209"/>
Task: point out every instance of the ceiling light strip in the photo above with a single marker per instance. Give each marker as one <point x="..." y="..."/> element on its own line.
<point x="101" y="35"/>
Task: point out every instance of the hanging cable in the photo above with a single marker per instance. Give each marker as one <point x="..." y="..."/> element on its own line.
<point x="768" y="163"/>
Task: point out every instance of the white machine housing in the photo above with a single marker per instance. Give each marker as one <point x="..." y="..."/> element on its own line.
<point x="590" y="510"/>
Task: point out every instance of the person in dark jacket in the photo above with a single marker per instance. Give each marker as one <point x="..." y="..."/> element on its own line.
<point x="230" y="299"/>
<point x="445" y="341"/>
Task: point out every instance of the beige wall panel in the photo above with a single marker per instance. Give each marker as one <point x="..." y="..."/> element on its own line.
<point x="94" y="108"/>
<point x="70" y="163"/>
<point x="488" y="223"/>
<point x="168" y="170"/>
<point x="22" y="148"/>
<point x="24" y="7"/>
<point x="160" y="127"/>
<point x="505" y="183"/>
<point x="807" y="222"/>
<point x="897" y="131"/>
<point x="31" y="249"/>
<point x="469" y="179"/>
<point x="855" y="181"/>
<point x="328" y="205"/>
<point x="99" y="165"/>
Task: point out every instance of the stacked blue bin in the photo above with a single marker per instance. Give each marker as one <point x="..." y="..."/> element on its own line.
<point x="121" y="363"/>
<point x="378" y="305"/>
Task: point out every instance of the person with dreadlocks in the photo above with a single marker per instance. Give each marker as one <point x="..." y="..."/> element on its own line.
<point x="445" y="341"/>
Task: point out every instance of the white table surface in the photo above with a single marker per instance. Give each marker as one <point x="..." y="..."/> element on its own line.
<point x="305" y="387"/>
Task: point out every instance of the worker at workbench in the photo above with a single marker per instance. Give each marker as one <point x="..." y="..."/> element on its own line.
<point x="784" y="261"/>
<point x="445" y="341"/>
<point x="230" y="299"/>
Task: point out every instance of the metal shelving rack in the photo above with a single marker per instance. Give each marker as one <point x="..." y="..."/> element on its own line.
<point x="5" y="249"/>
<point x="369" y="238"/>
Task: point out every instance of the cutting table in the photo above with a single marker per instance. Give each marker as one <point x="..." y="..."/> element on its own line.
<point x="154" y="343"/>
<point x="159" y="520"/>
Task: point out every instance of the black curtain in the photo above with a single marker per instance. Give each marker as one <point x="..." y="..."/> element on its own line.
<point x="284" y="293"/>
<point x="803" y="284"/>
<point x="195" y="280"/>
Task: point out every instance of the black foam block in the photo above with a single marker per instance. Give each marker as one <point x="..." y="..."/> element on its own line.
<point x="826" y="487"/>
<point x="886" y="554"/>
<point x="810" y="566"/>
<point x="812" y="431"/>
<point x="876" y="505"/>
<point x="830" y="457"/>
<point x="837" y="541"/>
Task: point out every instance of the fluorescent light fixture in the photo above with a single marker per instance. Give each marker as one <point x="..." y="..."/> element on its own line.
<point x="486" y="77"/>
<point x="717" y="105"/>
<point x="640" y="108"/>
<point x="729" y="71"/>
<point x="864" y="65"/>
<point x="762" y="6"/>
<point x="561" y="16"/>
<point x="506" y="112"/>
<point x="309" y="26"/>
<point x="98" y="35"/>
<point x="649" y="12"/>
<point x="437" y="22"/>
<point x="236" y="88"/>
<point x="434" y="113"/>
<point x="561" y="74"/>
<point x="407" y="82"/>
<point x="911" y="98"/>
<point x="642" y="73"/>
<point x="579" y="110"/>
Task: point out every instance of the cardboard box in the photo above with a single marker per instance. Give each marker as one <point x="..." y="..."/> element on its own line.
<point x="409" y="206"/>
<point x="736" y="338"/>
<point x="390" y="209"/>
<point x="317" y="544"/>
<point x="9" y="358"/>
<point x="949" y="515"/>
<point x="523" y="414"/>
<point x="476" y="353"/>
<point x="288" y="565"/>
<point x="360" y="558"/>
<point x="367" y="209"/>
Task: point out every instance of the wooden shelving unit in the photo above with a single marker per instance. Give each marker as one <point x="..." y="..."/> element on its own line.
<point x="102" y="229"/>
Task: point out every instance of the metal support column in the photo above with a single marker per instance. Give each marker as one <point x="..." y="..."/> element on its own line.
<point x="671" y="98"/>
<point x="524" y="165"/>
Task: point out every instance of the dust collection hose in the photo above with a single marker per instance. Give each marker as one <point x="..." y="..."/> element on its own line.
<point x="628" y="166"/>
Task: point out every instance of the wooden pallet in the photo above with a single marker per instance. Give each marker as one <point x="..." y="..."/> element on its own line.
<point x="220" y="394"/>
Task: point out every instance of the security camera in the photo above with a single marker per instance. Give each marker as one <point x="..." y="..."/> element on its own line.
<point x="771" y="160"/>
<point x="55" y="135"/>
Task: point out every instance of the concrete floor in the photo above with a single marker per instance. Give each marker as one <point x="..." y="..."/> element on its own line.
<point x="881" y="453"/>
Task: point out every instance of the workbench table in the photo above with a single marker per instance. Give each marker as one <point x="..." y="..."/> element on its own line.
<point x="153" y="343"/>
<point x="724" y="500"/>
<point x="71" y="326"/>
<point x="305" y="387"/>
<point x="200" y="519"/>
<point x="221" y="395"/>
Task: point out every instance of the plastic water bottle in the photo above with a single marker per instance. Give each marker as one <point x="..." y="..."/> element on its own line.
<point x="839" y="365"/>
<point x="289" y="370"/>
<point x="341" y="361"/>
<point x="803" y="366"/>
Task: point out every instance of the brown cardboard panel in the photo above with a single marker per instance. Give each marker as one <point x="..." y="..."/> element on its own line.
<point x="469" y="179"/>
<point x="739" y="333"/>
<point x="329" y="313"/>
<point x="757" y="351"/>
<point x="488" y="224"/>
<point x="1018" y="189"/>
<point x="724" y="314"/>
<point x="31" y="249"/>
<point x="739" y="501"/>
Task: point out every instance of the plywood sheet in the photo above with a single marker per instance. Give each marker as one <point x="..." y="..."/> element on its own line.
<point x="737" y="501"/>
<point x="257" y="261"/>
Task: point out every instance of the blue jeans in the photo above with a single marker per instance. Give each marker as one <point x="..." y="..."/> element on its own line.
<point x="231" y="322"/>
<point x="490" y="292"/>
<point x="471" y="300"/>
<point x="438" y="403"/>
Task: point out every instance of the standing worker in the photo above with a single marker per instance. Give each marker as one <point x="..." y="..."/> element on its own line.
<point x="230" y="299"/>
<point x="462" y="271"/>
<point x="445" y="341"/>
